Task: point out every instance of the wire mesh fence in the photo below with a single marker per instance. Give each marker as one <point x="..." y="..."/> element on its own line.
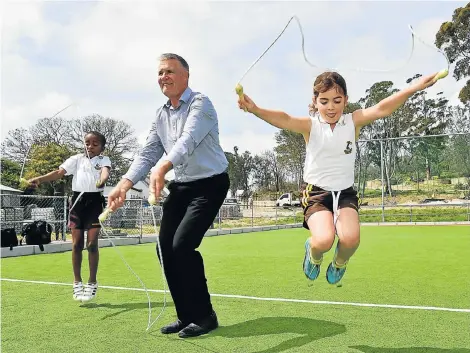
<point x="417" y="169"/>
<point x="410" y="179"/>
<point x="20" y="210"/>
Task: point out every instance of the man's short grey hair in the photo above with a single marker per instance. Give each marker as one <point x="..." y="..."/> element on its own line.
<point x="169" y="56"/>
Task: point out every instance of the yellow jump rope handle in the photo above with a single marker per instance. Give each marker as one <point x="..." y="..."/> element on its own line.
<point x="102" y="217"/>
<point x="441" y="74"/>
<point x="239" y="91"/>
<point x="152" y="200"/>
<point x="23" y="182"/>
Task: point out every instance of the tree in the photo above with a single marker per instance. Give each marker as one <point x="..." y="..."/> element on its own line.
<point x="10" y="173"/>
<point x="275" y="168"/>
<point x="382" y="129"/>
<point x="45" y="159"/>
<point x="240" y="170"/>
<point x="262" y="177"/>
<point x="290" y="151"/>
<point x="17" y="144"/>
<point x="428" y="117"/>
<point x="351" y="107"/>
<point x="121" y="144"/>
<point x="454" y="38"/>
<point x="231" y="171"/>
<point x="267" y="174"/>
<point x="458" y="149"/>
<point x="51" y="130"/>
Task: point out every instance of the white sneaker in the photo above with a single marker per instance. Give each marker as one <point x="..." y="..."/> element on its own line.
<point x="77" y="290"/>
<point x="89" y="292"/>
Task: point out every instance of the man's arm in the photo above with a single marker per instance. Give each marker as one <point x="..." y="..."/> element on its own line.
<point x="149" y="155"/>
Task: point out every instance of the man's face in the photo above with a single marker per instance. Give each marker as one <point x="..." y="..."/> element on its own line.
<point x="172" y="78"/>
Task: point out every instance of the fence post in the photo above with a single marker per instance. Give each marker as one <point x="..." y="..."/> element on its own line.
<point x="411" y="213"/>
<point x="220" y="219"/>
<point x="275" y="207"/>
<point x="252" y="215"/>
<point x="468" y="211"/>
<point x="382" y="172"/>
<point x="142" y="217"/>
<point x="64" y="225"/>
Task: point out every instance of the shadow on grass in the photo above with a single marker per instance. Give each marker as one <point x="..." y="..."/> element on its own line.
<point x="126" y="307"/>
<point x="307" y="330"/>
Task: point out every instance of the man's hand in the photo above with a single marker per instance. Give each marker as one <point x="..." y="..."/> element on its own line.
<point x="117" y="196"/>
<point x="157" y="183"/>
<point x="157" y="179"/>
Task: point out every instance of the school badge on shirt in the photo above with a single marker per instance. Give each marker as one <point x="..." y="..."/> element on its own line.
<point x="348" y="149"/>
<point x="98" y="165"/>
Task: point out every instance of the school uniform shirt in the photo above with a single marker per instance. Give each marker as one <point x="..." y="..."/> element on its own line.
<point x="85" y="175"/>
<point x="331" y="154"/>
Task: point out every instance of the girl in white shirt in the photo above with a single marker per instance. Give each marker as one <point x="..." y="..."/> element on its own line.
<point x="90" y="172"/>
<point x="330" y="202"/>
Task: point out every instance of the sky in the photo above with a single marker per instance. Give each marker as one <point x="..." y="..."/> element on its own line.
<point x="102" y="56"/>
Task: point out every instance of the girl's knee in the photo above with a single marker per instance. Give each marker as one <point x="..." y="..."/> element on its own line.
<point x="350" y="240"/>
<point x="77" y="246"/>
<point x="92" y="246"/>
<point x="322" y="244"/>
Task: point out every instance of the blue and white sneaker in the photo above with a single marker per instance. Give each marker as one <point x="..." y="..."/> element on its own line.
<point x="311" y="269"/>
<point x="335" y="273"/>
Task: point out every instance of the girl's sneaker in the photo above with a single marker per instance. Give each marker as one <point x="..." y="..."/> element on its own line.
<point x="77" y="290"/>
<point x="311" y="269"/>
<point x="334" y="274"/>
<point x="89" y="292"/>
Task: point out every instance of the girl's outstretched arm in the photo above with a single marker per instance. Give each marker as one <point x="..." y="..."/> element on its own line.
<point x="276" y="118"/>
<point x="54" y="175"/>
<point x="387" y="106"/>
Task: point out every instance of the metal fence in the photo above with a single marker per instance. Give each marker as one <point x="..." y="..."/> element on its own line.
<point x="415" y="178"/>
<point x="135" y="219"/>
<point x="406" y="179"/>
<point x="20" y="210"/>
<point x="409" y="172"/>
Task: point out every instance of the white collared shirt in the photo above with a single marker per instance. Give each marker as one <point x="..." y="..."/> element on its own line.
<point x="85" y="175"/>
<point x="330" y="155"/>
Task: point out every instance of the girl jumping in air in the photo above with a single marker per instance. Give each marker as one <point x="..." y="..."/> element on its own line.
<point x="329" y="201"/>
<point x="90" y="172"/>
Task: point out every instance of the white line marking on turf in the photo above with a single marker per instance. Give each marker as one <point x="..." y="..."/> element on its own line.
<point x="286" y="300"/>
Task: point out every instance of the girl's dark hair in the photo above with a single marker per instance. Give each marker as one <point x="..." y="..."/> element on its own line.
<point x="324" y="83"/>
<point x="100" y="137"/>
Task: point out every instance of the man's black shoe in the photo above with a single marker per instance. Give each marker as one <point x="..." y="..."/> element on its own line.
<point x="174" y="327"/>
<point x="201" y="328"/>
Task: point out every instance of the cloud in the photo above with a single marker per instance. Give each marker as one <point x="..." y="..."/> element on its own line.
<point x="103" y="56"/>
